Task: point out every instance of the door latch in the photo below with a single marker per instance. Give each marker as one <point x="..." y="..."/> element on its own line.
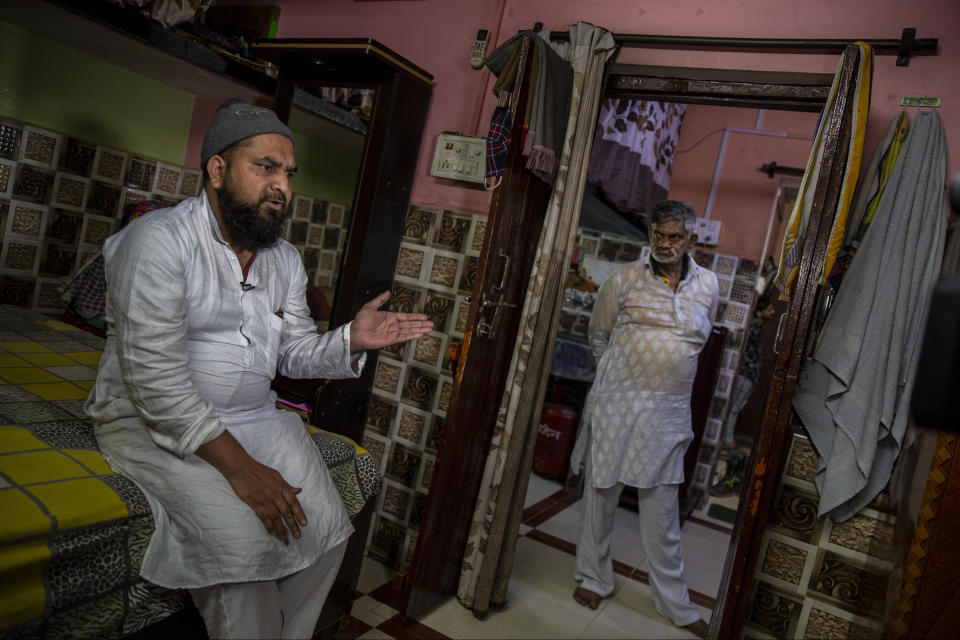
<point x="488" y="328"/>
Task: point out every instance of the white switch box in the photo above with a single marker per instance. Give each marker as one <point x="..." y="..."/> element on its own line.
<point x="460" y="158"/>
<point x="708" y="231"/>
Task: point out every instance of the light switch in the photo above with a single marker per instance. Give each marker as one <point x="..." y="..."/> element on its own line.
<point x="459" y="158"/>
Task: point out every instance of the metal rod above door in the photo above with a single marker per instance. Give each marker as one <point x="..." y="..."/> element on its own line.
<point x="906" y="46"/>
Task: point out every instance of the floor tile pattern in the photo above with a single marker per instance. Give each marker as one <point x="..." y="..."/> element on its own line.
<point x="539" y="601"/>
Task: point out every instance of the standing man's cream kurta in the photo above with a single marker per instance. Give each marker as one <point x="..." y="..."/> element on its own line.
<point x="647" y="339"/>
<point x="190" y="353"/>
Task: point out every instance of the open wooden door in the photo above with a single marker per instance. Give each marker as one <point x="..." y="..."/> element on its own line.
<point x="513" y="230"/>
<point x="794" y="331"/>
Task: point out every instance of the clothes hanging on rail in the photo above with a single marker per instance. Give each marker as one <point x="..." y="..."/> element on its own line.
<point x="853" y="396"/>
<point x="857" y="90"/>
<point x="548" y="101"/>
<point x="868" y="194"/>
<point x="633" y="152"/>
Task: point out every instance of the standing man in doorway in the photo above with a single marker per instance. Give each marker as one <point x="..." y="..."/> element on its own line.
<point x="205" y="302"/>
<point x="650" y="321"/>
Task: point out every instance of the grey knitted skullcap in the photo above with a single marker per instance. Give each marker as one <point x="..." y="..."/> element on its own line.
<point x="236" y="120"/>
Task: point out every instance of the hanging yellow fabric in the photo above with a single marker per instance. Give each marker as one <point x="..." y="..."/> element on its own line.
<point x="792" y="246"/>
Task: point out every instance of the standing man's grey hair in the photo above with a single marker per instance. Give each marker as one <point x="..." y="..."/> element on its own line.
<point x="674" y="210"/>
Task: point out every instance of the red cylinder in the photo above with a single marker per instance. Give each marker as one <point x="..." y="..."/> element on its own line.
<point x="555" y="438"/>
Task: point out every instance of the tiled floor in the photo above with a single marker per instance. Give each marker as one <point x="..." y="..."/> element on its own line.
<point x="540" y="601"/>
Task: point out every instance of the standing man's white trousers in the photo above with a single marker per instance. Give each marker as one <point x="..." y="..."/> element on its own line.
<point x="285" y="608"/>
<point x="659" y="513"/>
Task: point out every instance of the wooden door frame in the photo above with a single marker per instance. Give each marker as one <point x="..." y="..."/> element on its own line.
<point x="435" y="574"/>
<point x="503" y="270"/>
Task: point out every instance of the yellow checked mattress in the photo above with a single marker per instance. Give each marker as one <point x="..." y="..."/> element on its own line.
<point x="72" y="532"/>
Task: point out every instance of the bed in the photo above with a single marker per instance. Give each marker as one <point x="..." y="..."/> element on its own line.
<point x="72" y="532"/>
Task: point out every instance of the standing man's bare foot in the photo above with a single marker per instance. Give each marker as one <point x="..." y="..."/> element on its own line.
<point x="698" y="628"/>
<point x="588" y="598"/>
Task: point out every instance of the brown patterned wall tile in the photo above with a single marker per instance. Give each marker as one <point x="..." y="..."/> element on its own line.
<point x="419" y="505"/>
<point x="140" y="173"/>
<point x="69" y="192"/>
<point x="132" y="196"/>
<point x="398" y="350"/>
<point x="328" y="260"/>
<point x="803" y="461"/>
<point x="17" y="291"/>
<point x="784" y="561"/>
<point x="104" y="198"/>
<point x="380" y="415"/>
<point x="6" y="173"/>
<point x="419" y="388"/>
<point x="416" y="228"/>
<point x="318" y="214"/>
<point x="436" y="431"/>
<point x="298" y="233"/>
<point x="190" y="185"/>
<point x="412" y="426"/>
<point x="58" y="260"/>
<point x="110" y="165"/>
<point x="795" y="514"/>
<point x="404" y="465"/>
<point x="48" y="295"/>
<point x="827" y="626"/>
<point x="386" y="541"/>
<point x="851" y="587"/>
<point x="40" y="147"/>
<point x="428" y="350"/>
<point x="387" y="377"/>
<point x="315" y="235"/>
<point x="479" y="231"/>
<point x="33" y="184"/>
<point x="589" y="246"/>
<point x="437" y="308"/>
<point x="27" y="221"/>
<point x="864" y="534"/>
<point x="452" y="232"/>
<point x="446" y="392"/>
<point x="4" y="213"/>
<point x="395" y="502"/>
<point x="302" y="207"/>
<point x="402" y="299"/>
<point x="331" y="238"/>
<point x="21" y="256"/>
<point x="78" y="157"/>
<point x="377" y="449"/>
<point x="443" y="271"/>
<point x="469" y="276"/>
<point x="410" y="263"/>
<point x="463" y="315"/>
<point x="336" y="214"/>
<point x="629" y="252"/>
<point x="97" y="231"/>
<point x="609" y="249"/>
<point x="427" y="477"/>
<point x="10" y="137"/>
<point x="168" y="179"/>
<point x="775" y="612"/>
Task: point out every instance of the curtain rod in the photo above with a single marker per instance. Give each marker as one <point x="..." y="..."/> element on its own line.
<point x="906" y="46"/>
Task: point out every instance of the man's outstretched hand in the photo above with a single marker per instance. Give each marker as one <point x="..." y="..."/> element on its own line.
<point x="374" y="329"/>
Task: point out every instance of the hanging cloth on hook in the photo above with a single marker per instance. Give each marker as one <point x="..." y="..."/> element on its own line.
<point x="548" y="103"/>
<point x="858" y="91"/>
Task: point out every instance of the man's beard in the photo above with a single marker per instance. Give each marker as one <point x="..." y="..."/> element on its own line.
<point x="248" y="228"/>
<point x="674" y="255"/>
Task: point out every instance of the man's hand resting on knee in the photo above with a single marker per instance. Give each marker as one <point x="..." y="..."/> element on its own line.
<point x="261" y="487"/>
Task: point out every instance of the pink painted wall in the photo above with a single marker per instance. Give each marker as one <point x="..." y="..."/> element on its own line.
<point x="437" y="35"/>
<point x="743" y="195"/>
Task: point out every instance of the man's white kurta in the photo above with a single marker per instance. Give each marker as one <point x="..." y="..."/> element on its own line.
<point x="647" y="339"/>
<point x="190" y="354"/>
